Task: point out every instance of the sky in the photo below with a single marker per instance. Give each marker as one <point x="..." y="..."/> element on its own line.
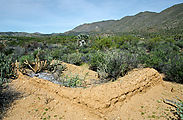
<point x="58" y="16"/>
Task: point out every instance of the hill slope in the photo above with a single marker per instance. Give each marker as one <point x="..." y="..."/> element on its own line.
<point x="170" y="18"/>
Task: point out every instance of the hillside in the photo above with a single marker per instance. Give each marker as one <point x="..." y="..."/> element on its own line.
<point x="168" y="19"/>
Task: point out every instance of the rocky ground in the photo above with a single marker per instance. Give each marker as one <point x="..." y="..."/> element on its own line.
<point x="137" y="96"/>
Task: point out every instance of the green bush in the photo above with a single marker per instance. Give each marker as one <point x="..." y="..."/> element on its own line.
<point x="42" y="54"/>
<point x="73" y="58"/>
<point x="59" y="52"/>
<point x="72" y="81"/>
<point x="115" y="63"/>
<point x="112" y="66"/>
<point x="173" y="69"/>
<point x="179" y="43"/>
<point x="166" y="59"/>
<point x="6" y="68"/>
<point x="96" y="58"/>
<point x="103" y="43"/>
<point x="29" y="58"/>
<point x="153" y="42"/>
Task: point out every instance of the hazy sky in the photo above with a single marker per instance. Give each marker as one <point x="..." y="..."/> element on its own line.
<point x="55" y="16"/>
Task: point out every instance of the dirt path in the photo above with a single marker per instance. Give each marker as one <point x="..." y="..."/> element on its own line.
<point x="139" y="95"/>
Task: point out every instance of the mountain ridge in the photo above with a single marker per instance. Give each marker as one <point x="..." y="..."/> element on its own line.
<point x="146" y="21"/>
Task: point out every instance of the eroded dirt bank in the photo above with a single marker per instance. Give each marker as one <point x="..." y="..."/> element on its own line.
<point x="138" y="95"/>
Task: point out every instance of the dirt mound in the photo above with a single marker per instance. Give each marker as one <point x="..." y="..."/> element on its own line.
<point x="107" y="95"/>
<point x="45" y="100"/>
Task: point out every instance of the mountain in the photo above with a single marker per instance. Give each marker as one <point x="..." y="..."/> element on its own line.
<point x="20" y="34"/>
<point x="168" y="19"/>
<point x="25" y="34"/>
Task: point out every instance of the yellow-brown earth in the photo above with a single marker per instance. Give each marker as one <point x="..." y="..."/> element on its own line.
<point x="137" y="96"/>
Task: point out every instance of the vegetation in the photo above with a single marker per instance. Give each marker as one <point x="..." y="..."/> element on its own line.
<point x="6" y="68"/>
<point x="72" y="81"/>
<point x="110" y="56"/>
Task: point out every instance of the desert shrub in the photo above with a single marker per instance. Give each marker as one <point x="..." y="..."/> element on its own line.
<point x="153" y="42"/>
<point x="86" y="58"/>
<point x="103" y="43"/>
<point x="7" y="50"/>
<point x="116" y="63"/>
<point x="154" y="60"/>
<point x="179" y="43"/>
<point x="43" y="54"/>
<point x="84" y="49"/>
<point x="46" y="55"/>
<point x="2" y="46"/>
<point x="58" y="53"/>
<point x="19" y="51"/>
<point x="119" y="41"/>
<point x="159" y="55"/>
<point x="56" y="67"/>
<point x="29" y="58"/>
<point x="72" y="47"/>
<point x="173" y="69"/>
<point x="73" y="58"/>
<point x="72" y="81"/>
<point x="166" y="59"/>
<point x="112" y="65"/>
<point x="6" y="68"/>
<point x="95" y="58"/>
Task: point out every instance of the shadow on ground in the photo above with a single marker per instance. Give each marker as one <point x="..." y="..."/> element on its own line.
<point x="7" y="96"/>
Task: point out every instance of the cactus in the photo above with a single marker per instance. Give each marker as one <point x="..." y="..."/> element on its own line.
<point x="38" y="65"/>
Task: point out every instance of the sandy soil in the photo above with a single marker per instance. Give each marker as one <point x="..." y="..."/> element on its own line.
<point x="136" y="96"/>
